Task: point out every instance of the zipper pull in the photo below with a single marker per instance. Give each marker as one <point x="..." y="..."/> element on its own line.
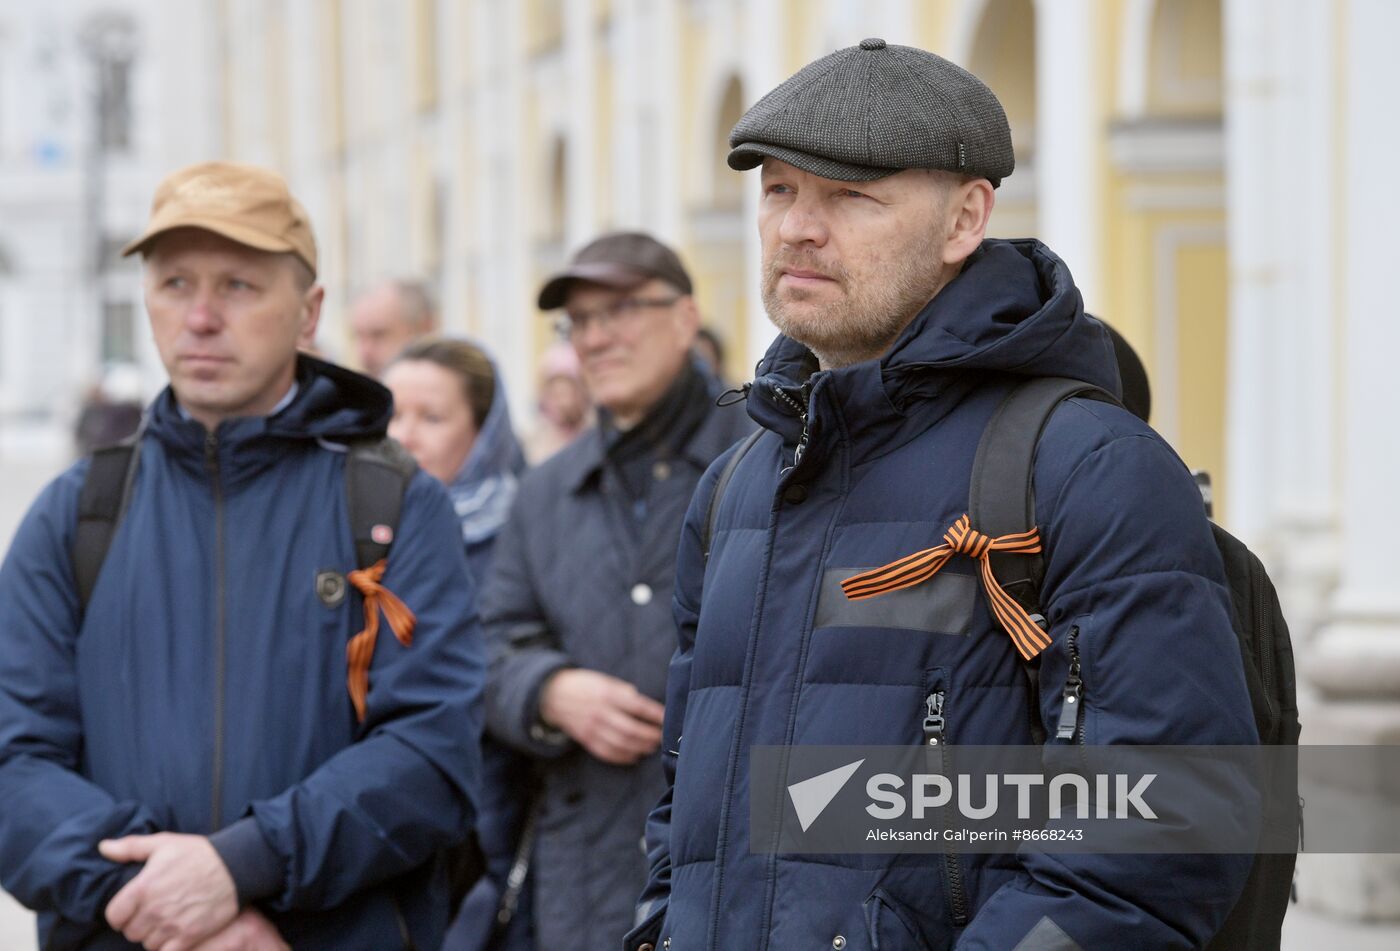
<point x="1073" y="696"/>
<point x="934" y="722"/>
<point x="736" y="395"/>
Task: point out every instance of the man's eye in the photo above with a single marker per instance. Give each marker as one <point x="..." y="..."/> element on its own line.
<point x="238" y="284"/>
<point x="779" y="189"/>
<point x="852" y="193"/>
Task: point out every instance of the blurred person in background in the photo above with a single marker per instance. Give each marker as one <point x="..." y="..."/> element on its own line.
<point x="709" y="348"/>
<point x="388" y="317"/>
<point x="197" y="748"/>
<point x="578" y="604"/>
<point x="450" y="412"/>
<point x="564" y="406"/>
<point x="112" y="409"/>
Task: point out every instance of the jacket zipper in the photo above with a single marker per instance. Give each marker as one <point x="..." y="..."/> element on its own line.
<point x="936" y="740"/>
<point x="801" y="410"/>
<point x="1071" y="725"/>
<point x="211" y="463"/>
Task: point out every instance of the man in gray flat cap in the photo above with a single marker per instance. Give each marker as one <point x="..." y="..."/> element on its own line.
<point x="903" y="331"/>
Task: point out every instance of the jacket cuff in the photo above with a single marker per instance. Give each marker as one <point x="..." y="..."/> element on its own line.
<point x="516" y="698"/>
<point x="257" y="871"/>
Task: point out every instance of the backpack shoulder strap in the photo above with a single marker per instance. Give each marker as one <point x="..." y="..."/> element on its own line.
<point x="101" y="506"/>
<point x="1001" y="497"/>
<point x="707" y="533"/>
<point x="377" y="473"/>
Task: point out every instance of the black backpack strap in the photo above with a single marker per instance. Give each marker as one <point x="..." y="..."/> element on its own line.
<point x="101" y="506"/>
<point x="1001" y="497"/>
<point x="377" y="473"/>
<point x="707" y="533"/>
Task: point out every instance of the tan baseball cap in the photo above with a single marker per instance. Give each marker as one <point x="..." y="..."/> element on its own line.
<point x="244" y="203"/>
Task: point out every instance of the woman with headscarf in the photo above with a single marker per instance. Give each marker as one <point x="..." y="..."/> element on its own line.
<point x="450" y="413"/>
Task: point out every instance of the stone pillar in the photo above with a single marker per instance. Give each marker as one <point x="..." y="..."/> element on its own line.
<point x="1355" y="663"/>
<point x="1252" y="217"/>
<point x="1069" y="135"/>
<point x="580" y="57"/>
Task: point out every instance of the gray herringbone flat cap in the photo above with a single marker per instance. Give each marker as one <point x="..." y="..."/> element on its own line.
<point x="871" y="110"/>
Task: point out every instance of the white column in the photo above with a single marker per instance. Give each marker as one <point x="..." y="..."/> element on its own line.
<point x="1068" y="134"/>
<point x="1252" y="216"/>
<point x="1355" y="661"/>
<point x="1360" y="652"/>
<point x="1303" y="392"/>
<point x="664" y="69"/>
<point x="580" y="215"/>
<point x="763" y="69"/>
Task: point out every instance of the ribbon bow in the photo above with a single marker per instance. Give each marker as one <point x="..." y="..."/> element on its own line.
<point x="1028" y="636"/>
<point x="360" y="651"/>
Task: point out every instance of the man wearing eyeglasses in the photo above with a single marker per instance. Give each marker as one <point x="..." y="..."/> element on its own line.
<point x="578" y="607"/>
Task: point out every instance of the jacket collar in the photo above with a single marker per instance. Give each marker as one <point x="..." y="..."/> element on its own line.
<point x="589" y="453"/>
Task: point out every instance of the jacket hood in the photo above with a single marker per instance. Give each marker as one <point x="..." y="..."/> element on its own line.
<point x="484" y="489"/>
<point x="1014" y="309"/>
<point x="331" y="405"/>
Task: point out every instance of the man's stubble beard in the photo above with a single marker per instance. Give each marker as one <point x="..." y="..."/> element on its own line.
<point x="867" y="318"/>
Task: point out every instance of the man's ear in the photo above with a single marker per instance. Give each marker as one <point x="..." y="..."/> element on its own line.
<point x="969" y="209"/>
<point x="688" y="314"/>
<point x="310" y="316"/>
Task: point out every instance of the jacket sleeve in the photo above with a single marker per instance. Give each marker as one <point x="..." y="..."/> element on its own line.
<point x="1131" y="563"/>
<point x="52" y="818"/>
<point x="409" y="784"/>
<point x="690" y="582"/>
<point x="523" y="651"/>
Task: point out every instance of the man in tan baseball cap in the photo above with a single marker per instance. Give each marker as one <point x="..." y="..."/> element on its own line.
<point x="218" y="768"/>
<point x="234" y="231"/>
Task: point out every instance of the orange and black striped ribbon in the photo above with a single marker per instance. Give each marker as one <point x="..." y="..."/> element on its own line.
<point x="1028" y="636"/>
<point x="360" y="651"/>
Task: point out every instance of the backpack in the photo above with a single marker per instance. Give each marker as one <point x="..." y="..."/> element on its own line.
<point x="377" y="474"/>
<point x="1002" y="502"/>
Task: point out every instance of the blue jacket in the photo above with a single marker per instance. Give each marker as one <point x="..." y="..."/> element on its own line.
<point x="771" y="653"/>
<point x="204" y="690"/>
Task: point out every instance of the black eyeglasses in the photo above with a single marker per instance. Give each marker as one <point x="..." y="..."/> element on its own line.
<point x="618" y="315"/>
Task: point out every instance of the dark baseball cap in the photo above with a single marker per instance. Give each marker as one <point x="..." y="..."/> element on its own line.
<point x="871" y="110"/>
<point x="620" y="260"/>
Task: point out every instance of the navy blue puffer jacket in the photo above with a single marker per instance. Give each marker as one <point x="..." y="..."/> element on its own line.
<point x="772" y="654"/>
<point x="204" y="689"/>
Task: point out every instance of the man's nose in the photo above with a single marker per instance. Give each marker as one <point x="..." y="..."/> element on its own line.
<point x="803" y="223"/>
<point x="203" y="315"/>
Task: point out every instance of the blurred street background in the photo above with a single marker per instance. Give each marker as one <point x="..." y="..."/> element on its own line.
<point x="1215" y="173"/>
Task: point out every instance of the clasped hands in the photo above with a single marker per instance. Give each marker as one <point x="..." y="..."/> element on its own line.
<point x="183" y="899"/>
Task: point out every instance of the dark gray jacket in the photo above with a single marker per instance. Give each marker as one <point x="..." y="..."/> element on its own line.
<point x="579" y="583"/>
